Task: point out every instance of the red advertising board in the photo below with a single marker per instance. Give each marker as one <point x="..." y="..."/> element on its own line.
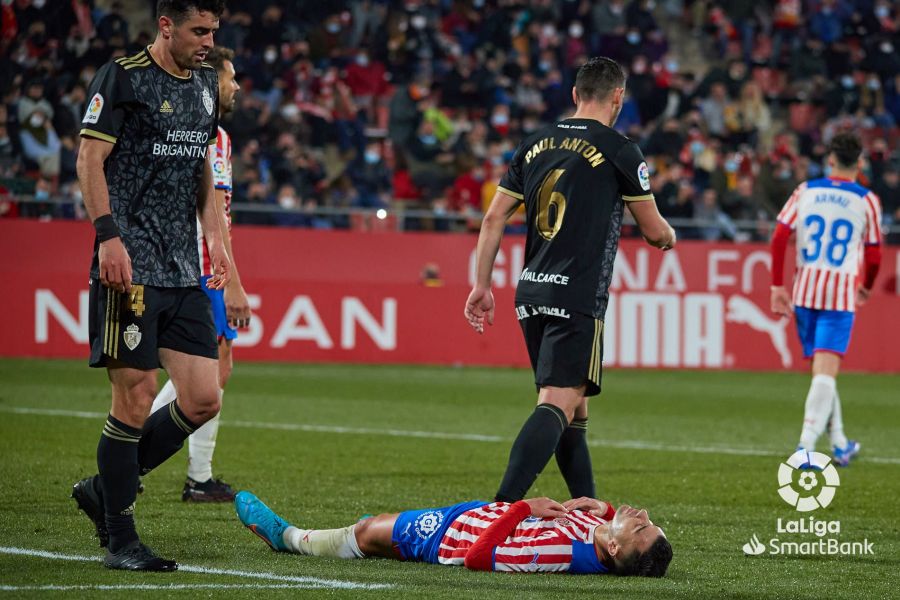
<point x="328" y="296"/>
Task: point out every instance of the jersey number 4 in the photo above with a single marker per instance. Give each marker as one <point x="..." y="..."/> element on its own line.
<point x="839" y="235"/>
<point x="551" y="206"/>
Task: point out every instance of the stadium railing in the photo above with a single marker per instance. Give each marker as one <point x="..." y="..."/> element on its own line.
<point x="398" y="217"/>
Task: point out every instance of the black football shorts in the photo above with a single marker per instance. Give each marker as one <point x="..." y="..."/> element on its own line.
<point x="566" y="349"/>
<point x="131" y="327"/>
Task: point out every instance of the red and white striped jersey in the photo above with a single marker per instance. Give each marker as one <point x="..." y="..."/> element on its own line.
<point x="564" y="544"/>
<point x="833" y="219"/>
<point x="221" y="172"/>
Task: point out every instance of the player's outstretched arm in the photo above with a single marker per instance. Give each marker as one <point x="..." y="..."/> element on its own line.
<point x="654" y="228"/>
<point x="211" y="221"/>
<point x="480" y="303"/>
<point x="115" y="264"/>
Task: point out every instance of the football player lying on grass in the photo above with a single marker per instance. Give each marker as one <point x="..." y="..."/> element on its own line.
<point x="582" y="535"/>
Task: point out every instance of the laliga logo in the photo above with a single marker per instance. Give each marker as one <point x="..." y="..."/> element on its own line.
<point x="807" y="480"/>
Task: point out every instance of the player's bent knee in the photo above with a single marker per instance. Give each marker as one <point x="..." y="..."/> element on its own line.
<point x="202" y="407"/>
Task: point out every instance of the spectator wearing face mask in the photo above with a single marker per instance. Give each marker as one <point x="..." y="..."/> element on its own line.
<point x="33" y="100"/>
<point x="430" y="164"/>
<point x="842" y="96"/>
<point x="288" y="199"/>
<point x="871" y="103"/>
<point x="40" y="144"/>
<point x="366" y="79"/>
<point x="371" y="178"/>
<point x="827" y="23"/>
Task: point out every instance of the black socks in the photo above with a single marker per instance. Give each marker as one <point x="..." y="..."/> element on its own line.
<point x="117" y="460"/>
<point x="123" y="453"/>
<point x="163" y="435"/>
<point x="535" y="444"/>
<point x="574" y="460"/>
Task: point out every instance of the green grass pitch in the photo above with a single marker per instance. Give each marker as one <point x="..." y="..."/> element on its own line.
<point x="324" y="445"/>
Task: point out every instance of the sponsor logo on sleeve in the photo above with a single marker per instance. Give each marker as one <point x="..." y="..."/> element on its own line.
<point x="643" y="174"/>
<point x="95" y="106"/>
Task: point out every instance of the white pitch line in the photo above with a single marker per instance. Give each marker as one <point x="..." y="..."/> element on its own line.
<point x="161" y="586"/>
<point x="466" y="437"/>
<point x="293" y="579"/>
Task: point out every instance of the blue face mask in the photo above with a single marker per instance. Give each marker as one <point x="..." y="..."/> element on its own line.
<point x="428" y="140"/>
<point x="372" y="157"/>
<point x="41" y="195"/>
<point x="697" y="147"/>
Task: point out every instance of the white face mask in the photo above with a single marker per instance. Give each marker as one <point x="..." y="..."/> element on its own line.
<point x="36" y="120"/>
<point x="38" y="4"/>
<point x="270" y="56"/>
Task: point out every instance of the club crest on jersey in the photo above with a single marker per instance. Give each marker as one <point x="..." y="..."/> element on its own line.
<point x="132" y="336"/>
<point x="208" y="102"/>
<point x="643" y="174"/>
<point x="95" y="106"/>
<point x="427" y="523"/>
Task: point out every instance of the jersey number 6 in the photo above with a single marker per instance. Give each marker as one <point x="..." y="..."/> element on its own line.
<point x="547" y="200"/>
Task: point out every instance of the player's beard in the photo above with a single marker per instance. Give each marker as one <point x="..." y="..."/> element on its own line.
<point x="186" y="61"/>
<point x="227" y="107"/>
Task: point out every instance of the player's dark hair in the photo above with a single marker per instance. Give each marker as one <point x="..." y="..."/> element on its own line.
<point x="597" y="78"/>
<point x="652" y="563"/>
<point x="179" y="10"/>
<point x="218" y="55"/>
<point x="846" y="147"/>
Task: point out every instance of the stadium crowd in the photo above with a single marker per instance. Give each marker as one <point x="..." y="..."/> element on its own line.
<point x="420" y="104"/>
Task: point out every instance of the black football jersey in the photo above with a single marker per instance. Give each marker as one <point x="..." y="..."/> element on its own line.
<point x="574" y="177"/>
<point x="162" y="126"/>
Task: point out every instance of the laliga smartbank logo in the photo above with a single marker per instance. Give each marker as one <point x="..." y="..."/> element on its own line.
<point x="807" y="481"/>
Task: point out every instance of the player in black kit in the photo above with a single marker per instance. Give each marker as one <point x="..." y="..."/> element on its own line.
<point x="575" y="178"/>
<point x="146" y="178"/>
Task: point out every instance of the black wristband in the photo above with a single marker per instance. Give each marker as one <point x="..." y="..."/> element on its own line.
<point x="106" y="228"/>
